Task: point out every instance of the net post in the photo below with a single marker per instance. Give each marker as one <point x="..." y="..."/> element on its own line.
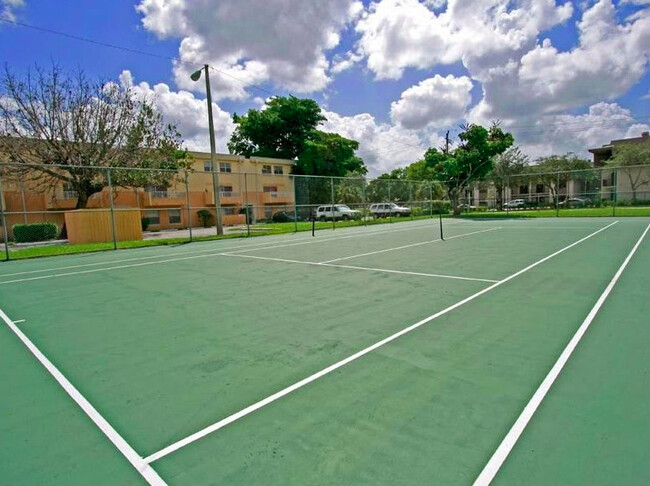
<point x="332" y="206"/>
<point x="5" y="230"/>
<point x="110" y="199"/>
<point x="442" y="236"/>
<point x="246" y="205"/>
<point x="313" y="225"/>
<point x="187" y="202"/>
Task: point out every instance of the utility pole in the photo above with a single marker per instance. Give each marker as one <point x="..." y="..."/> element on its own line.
<point x="213" y="155"/>
<point x="447" y="142"/>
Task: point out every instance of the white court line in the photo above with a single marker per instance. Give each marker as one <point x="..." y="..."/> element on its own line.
<point x="215" y="249"/>
<point x="370" y="269"/>
<point x="145" y="470"/>
<point x="18" y="321"/>
<point x="406" y="246"/>
<point x="496" y="461"/>
<point x="270" y="399"/>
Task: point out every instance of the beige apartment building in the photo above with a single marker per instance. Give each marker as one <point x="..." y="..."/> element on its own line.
<point x="264" y="184"/>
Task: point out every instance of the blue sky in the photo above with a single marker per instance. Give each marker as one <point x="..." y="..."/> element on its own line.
<point x="393" y="74"/>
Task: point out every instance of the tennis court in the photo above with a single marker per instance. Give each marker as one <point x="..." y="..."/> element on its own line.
<point x="512" y="352"/>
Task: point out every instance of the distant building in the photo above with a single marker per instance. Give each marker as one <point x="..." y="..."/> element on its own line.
<point x="606" y="152"/>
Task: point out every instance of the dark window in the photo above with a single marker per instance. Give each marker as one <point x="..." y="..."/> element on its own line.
<point x="266" y="169"/>
<point x="523" y="189"/>
<point x="539" y="188"/>
<point x="278" y="170"/>
<point x="153" y="216"/>
<point x="225" y="167"/>
<point x="174" y="216"/>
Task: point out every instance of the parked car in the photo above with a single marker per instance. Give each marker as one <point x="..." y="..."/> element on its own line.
<point x="515" y="203"/>
<point x="574" y="202"/>
<point x="383" y="210"/>
<point x="338" y="211"/>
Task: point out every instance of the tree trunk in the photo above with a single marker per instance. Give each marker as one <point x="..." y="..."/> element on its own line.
<point x="82" y="200"/>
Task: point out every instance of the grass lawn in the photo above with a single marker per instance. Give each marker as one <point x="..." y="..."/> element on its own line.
<point x="564" y="213"/>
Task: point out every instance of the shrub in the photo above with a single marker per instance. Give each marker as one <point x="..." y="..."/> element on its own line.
<point x="280" y="217"/>
<point x="441" y="207"/>
<point x="206" y="217"/>
<point x="416" y="211"/>
<point x="27" y="233"/>
<point x="145" y="223"/>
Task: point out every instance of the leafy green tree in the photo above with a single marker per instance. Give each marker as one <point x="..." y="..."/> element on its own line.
<point x="329" y="154"/>
<point x="510" y="163"/>
<point x="280" y="130"/>
<point x="560" y="169"/>
<point x="470" y="162"/>
<point x="628" y="157"/>
<point x="350" y="190"/>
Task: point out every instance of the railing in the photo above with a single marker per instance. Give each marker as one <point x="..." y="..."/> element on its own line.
<point x="166" y="194"/>
<point x="70" y="195"/>
<point x="228" y="194"/>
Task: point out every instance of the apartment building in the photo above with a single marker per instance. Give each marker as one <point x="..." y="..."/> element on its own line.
<point x="264" y="184"/>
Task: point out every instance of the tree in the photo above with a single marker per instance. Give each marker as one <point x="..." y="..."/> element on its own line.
<point x="287" y="128"/>
<point x="51" y="118"/>
<point x="328" y="154"/>
<point x="280" y="130"/>
<point x="560" y="169"/>
<point x="628" y="157"/>
<point x="470" y="162"/>
<point x="510" y="163"/>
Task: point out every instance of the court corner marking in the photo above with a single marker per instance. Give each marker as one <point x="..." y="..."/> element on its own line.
<point x="143" y="467"/>
<point x="491" y="469"/>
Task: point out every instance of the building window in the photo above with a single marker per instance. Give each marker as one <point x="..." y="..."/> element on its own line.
<point x="207" y="166"/>
<point x="229" y="210"/>
<point x="523" y="189"/>
<point x="539" y="188"/>
<point x="278" y="170"/>
<point x="270" y="188"/>
<point x="153" y="216"/>
<point x="268" y="212"/>
<point x="266" y="169"/>
<point x="562" y="184"/>
<point x="225" y="191"/>
<point x="174" y="216"/>
<point x="225" y="167"/>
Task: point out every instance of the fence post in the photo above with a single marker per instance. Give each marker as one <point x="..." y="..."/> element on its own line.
<point x="411" y="198"/>
<point x="366" y="212"/>
<point x="431" y="200"/>
<point x="390" y="208"/>
<point x="557" y="196"/>
<point x="110" y="198"/>
<point x="505" y="199"/>
<point x="295" y="203"/>
<point x="332" y="206"/>
<point x="615" y="193"/>
<point x="5" y="230"/>
<point x="247" y="213"/>
<point x="22" y="198"/>
<point x="187" y="201"/>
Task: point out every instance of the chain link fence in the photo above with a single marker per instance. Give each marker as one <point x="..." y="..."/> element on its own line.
<point x="103" y="208"/>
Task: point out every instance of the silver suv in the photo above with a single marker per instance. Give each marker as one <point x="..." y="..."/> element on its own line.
<point x="340" y="211"/>
<point x="383" y="210"/>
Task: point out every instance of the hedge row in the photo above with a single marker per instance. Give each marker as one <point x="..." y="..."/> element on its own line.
<point x="27" y="233"/>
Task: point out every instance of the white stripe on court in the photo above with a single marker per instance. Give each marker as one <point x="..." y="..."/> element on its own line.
<point x="496" y="461"/>
<point x="270" y="399"/>
<point x="370" y="269"/>
<point x="406" y="246"/>
<point x="246" y="247"/>
<point x="145" y="470"/>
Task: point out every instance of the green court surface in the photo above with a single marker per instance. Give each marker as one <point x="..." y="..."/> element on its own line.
<point x="378" y="355"/>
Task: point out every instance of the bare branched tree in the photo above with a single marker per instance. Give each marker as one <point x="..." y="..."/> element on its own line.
<point x="50" y="118"/>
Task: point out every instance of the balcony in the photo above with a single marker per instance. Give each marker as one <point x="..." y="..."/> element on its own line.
<point x="163" y="198"/>
<point x="62" y="200"/>
<point x="229" y="197"/>
<point x="275" y="197"/>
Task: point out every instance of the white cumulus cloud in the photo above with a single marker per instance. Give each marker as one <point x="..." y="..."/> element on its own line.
<point x="437" y="101"/>
<point x="284" y="43"/>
